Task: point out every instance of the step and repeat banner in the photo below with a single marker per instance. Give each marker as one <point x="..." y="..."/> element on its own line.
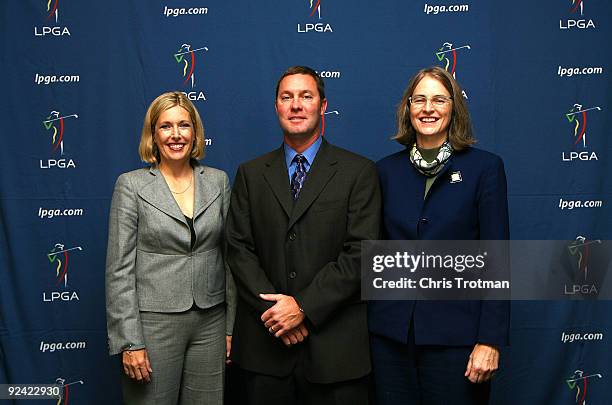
<point x="77" y="78"/>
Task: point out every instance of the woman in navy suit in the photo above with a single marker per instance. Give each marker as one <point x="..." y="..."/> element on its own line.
<point x="438" y="188"/>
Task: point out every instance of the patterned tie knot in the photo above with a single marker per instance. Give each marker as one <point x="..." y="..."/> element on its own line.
<point x="299" y="159"/>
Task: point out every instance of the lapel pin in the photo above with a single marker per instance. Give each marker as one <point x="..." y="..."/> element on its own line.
<point x="455" y="177"/>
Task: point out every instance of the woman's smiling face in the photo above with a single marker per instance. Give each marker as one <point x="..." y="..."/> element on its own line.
<point x="431" y="121"/>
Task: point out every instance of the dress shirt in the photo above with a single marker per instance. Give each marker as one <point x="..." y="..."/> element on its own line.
<point x="309" y="154"/>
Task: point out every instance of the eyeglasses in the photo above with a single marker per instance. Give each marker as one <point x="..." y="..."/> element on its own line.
<point x="438" y="101"/>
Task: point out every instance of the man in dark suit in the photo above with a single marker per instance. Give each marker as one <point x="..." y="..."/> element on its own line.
<point x="297" y="218"/>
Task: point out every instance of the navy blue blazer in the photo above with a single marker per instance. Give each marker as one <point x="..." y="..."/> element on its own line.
<point x="474" y="208"/>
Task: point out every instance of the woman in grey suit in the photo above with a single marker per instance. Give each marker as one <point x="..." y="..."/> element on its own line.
<point x="167" y="309"/>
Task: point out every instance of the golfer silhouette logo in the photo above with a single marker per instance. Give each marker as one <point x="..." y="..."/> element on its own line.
<point x="58" y="257"/>
<point x="185" y="57"/>
<point x="52" y="9"/>
<point x="55" y="124"/>
<point x="447" y="56"/>
<point x="65" y="387"/>
<point x="315" y="7"/>
<point x="578" y="118"/>
<point x="579" y="382"/>
<point x="577" y="5"/>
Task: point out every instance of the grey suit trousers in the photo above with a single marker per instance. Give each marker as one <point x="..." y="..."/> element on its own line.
<point x="187" y="355"/>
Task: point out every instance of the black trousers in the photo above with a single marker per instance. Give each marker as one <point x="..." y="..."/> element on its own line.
<point x="407" y="374"/>
<point x="295" y="389"/>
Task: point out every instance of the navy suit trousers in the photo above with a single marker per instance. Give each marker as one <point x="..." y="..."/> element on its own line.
<point x="407" y="374"/>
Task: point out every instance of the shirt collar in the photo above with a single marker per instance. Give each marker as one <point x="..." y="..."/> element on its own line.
<point x="309" y="153"/>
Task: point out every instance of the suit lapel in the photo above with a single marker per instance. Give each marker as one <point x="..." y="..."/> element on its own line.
<point x="277" y="177"/>
<point x="157" y="193"/>
<point x="321" y="172"/>
<point x="205" y="192"/>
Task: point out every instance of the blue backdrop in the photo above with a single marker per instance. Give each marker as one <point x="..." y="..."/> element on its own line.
<point x="77" y="78"/>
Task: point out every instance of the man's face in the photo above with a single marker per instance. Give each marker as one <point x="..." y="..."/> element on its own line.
<point x="299" y="106"/>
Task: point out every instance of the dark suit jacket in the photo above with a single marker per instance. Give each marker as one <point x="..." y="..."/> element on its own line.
<point x="475" y="208"/>
<point x="309" y="250"/>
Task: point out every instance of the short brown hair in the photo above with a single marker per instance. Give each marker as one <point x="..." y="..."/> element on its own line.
<point x="303" y="70"/>
<point x="460" y="129"/>
<point x="147" y="149"/>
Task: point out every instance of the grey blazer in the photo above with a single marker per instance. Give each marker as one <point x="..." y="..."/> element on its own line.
<point x="150" y="265"/>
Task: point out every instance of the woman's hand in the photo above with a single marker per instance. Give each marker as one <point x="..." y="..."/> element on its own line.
<point x="228" y="349"/>
<point x="136" y="365"/>
<point x="483" y="362"/>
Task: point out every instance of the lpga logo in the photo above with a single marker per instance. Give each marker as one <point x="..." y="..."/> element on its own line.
<point x="58" y="257"/>
<point x="185" y="57"/>
<point x="574" y="115"/>
<point x="51" y="11"/>
<point x="65" y="387"/>
<point x="447" y="55"/>
<point x="577" y="5"/>
<point x="580" y="251"/>
<point x="55" y="124"/>
<point x="315" y="7"/>
<point x="578" y="381"/>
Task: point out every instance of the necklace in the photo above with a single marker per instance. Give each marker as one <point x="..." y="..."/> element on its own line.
<point x="168" y="177"/>
<point x="188" y="187"/>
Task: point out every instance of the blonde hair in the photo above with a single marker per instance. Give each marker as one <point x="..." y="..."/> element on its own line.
<point x="460" y="133"/>
<point x="147" y="149"/>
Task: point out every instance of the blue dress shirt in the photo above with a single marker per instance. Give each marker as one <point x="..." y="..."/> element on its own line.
<point x="309" y="154"/>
